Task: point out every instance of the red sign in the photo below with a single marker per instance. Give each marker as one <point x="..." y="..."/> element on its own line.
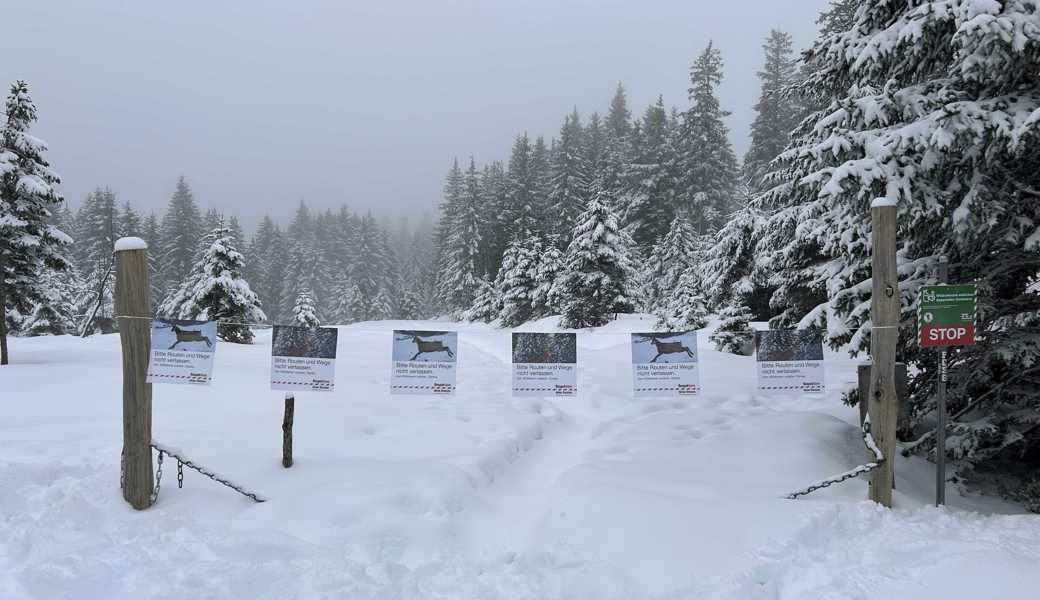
<point x="935" y="336"/>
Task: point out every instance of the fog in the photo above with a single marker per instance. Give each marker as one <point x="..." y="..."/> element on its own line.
<point x="262" y="104"/>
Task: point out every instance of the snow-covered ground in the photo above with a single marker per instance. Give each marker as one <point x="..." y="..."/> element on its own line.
<point x="478" y="495"/>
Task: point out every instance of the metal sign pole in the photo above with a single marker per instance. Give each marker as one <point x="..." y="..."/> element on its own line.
<point x="940" y="409"/>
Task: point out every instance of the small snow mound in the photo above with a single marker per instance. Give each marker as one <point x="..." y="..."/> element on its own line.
<point x="130" y="243"/>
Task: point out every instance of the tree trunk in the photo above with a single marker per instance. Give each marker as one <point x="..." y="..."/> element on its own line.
<point x="3" y="312"/>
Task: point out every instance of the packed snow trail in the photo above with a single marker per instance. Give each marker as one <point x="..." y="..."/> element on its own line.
<point x="478" y="495"/>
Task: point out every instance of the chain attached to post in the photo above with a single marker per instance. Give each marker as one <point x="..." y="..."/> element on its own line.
<point x="158" y="478"/>
<point x="183" y="461"/>
<point x="879" y="459"/>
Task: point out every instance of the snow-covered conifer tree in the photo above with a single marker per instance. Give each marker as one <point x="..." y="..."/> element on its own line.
<point x="304" y="313"/>
<point x="597" y="281"/>
<point x="54" y="311"/>
<point x="728" y="271"/>
<point x="650" y="197"/>
<point x="776" y="113"/>
<point x="686" y="308"/>
<point x="547" y="268"/>
<point x="569" y="183"/>
<point x="216" y="291"/>
<point x="705" y="163"/>
<point x="937" y="107"/>
<point x="734" y="334"/>
<point x="487" y="305"/>
<point x="459" y="276"/>
<point x="29" y="244"/>
<point x="515" y="283"/>
<point x="673" y="255"/>
<point x="179" y="236"/>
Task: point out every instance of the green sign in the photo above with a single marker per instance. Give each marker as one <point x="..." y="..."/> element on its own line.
<point x="946" y="315"/>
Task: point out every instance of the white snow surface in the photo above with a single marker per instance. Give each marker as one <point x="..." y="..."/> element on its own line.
<point x="130" y="243"/>
<point x="883" y="201"/>
<point x="478" y="495"/>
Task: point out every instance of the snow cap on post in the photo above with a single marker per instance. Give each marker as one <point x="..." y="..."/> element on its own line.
<point x="882" y="202"/>
<point x="130" y="243"/>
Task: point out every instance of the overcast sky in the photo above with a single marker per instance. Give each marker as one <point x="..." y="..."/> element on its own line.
<point x="263" y="103"/>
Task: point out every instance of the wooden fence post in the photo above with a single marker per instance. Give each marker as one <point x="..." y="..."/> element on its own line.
<point x="884" y="316"/>
<point x="133" y="299"/>
<point x="287" y="424"/>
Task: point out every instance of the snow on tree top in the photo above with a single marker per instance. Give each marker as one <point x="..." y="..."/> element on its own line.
<point x="883" y="202"/>
<point x="130" y="243"/>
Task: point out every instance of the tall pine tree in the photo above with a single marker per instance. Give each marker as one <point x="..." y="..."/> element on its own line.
<point x="29" y="244"/>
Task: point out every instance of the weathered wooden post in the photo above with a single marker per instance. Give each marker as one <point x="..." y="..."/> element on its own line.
<point x="884" y="316"/>
<point x="902" y="392"/>
<point x="287" y="424"/>
<point x="133" y="300"/>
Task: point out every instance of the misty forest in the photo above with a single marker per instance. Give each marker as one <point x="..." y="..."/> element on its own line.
<point x="643" y="210"/>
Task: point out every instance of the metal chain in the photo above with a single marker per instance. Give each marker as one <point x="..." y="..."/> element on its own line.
<point x="185" y="462"/>
<point x="868" y="441"/>
<point x="122" y="469"/>
<point x="158" y="478"/>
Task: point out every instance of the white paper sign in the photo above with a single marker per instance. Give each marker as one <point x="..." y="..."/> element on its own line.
<point x="790" y="361"/>
<point x="545" y="364"/>
<point x="303" y="358"/>
<point x="665" y="364"/>
<point x="182" y="352"/>
<point x="424" y="362"/>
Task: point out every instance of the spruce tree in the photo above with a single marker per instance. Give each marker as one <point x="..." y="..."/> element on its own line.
<point x="776" y="113"/>
<point x="29" y="244"/>
<point x="98" y="224"/>
<point x="460" y="272"/>
<point x="597" y="281"/>
<point x="705" y="164"/>
<point x="520" y="190"/>
<point x="548" y="265"/>
<point x="304" y="313"/>
<point x="686" y="308"/>
<point x="649" y="205"/>
<point x="729" y="270"/>
<point x="940" y="116"/>
<point x="150" y="233"/>
<point x="216" y="291"/>
<point x="515" y="284"/>
<point x="734" y="334"/>
<point x="487" y="306"/>
<point x="179" y="236"/>
<point x="129" y="224"/>
<point x="617" y="150"/>
<point x="570" y="179"/>
<point x="672" y="256"/>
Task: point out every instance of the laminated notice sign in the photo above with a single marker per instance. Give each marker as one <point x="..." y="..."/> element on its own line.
<point x="424" y="362"/>
<point x="545" y="364"/>
<point x="790" y="361"/>
<point x="303" y="358"/>
<point x="182" y="351"/>
<point x="665" y="364"/>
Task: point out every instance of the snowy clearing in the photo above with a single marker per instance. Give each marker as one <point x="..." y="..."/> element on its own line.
<point x="477" y="495"/>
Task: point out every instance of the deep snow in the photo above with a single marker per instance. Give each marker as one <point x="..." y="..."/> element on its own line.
<point x="478" y="495"/>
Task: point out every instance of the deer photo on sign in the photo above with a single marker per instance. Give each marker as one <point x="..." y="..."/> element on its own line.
<point x="431" y="346"/>
<point x="664" y="364"/>
<point x="423" y="362"/>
